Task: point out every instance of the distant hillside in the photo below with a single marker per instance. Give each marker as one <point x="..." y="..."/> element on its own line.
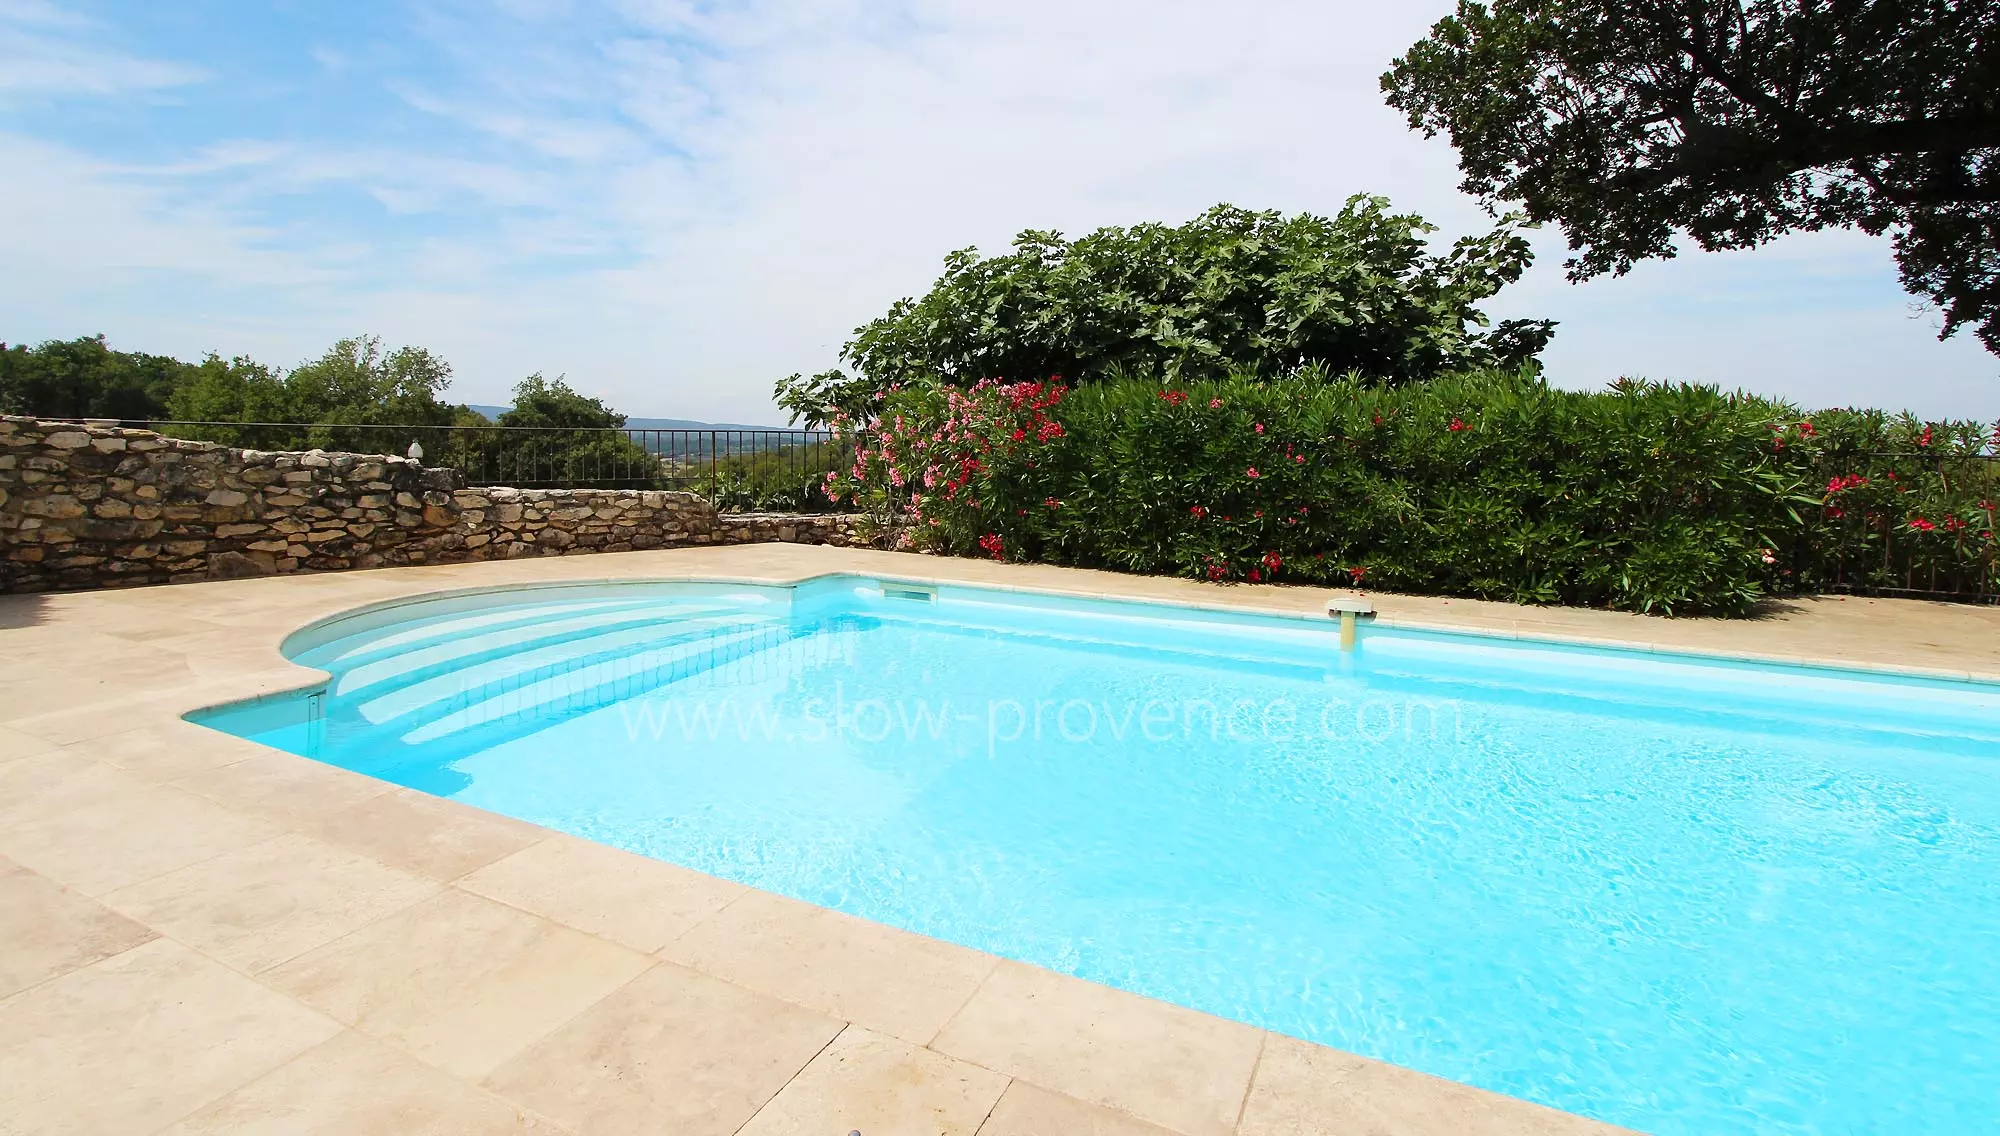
<point x="494" y="412"/>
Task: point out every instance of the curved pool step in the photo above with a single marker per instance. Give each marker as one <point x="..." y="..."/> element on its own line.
<point x="415" y="662"/>
<point x="382" y="642"/>
<point x="474" y="676"/>
<point x="572" y="691"/>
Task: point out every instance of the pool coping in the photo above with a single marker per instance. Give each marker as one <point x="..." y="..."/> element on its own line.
<point x="158" y="844"/>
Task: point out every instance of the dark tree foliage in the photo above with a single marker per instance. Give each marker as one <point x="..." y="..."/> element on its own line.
<point x="85" y="378"/>
<point x="1630" y="122"/>
<point x="1230" y="291"/>
<point x="574" y="440"/>
<point x="553" y="403"/>
<point x="326" y="402"/>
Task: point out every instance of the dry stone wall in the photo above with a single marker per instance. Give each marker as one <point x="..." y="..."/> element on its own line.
<point x="97" y="506"/>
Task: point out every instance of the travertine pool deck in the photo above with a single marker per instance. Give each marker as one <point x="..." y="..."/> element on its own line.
<point x="201" y="935"/>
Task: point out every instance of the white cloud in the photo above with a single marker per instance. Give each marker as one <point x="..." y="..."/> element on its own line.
<point x="675" y="203"/>
<point x="46" y="51"/>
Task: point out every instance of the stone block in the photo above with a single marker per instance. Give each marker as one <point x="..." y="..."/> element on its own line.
<point x="55" y="506"/>
<point x="240" y="565"/>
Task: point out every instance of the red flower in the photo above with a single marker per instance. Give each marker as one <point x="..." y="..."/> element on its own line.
<point x="1019" y="435"/>
<point x="1197" y="510"/>
<point x="1357" y="572"/>
<point x="1256" y="576"/>
<point x="1052" y="502"/>
<point x="1252" y="473"/>
<point x="1216" y="571"/>
<point x="1272" y="562"/>
<point x="1215" y="404"/>
<point x="1806" y="428"/>
<point x="994" y="546"/>
<point x="1173" y="397"/>
<point x="1259" y="427"/>
<point x="1925" y="439"/>
<point x="1457" y="424"/>
<point x="1921" y="525"/>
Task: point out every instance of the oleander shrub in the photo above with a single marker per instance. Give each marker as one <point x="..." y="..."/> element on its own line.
<point x="1646" y="497"/>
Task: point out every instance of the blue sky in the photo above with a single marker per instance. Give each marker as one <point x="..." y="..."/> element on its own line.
<point x="675" y="202"/>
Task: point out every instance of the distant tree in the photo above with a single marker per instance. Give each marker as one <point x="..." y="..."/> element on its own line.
<point x="320" y="403"/>
<point x="552" y="403"/>
<point x="1228" y="292"/>
<point x="1632" y="122"/>
<point x="357" y="382"/>
<point x="237" y="390"/>
<point x="84" y="378"/>
<point x="558" y="436"/>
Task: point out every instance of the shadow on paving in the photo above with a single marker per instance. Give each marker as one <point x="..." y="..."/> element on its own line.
<point x="21" y="611"/>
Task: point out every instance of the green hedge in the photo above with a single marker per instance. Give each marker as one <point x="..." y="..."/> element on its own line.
<point x="1646" y="497"/>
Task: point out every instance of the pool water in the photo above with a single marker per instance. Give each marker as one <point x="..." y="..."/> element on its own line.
<point x="1683" y="895"/>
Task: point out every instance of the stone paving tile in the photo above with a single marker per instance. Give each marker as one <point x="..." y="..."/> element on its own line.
<point x="875" y="1084"/>
<point x="904" y="985"/>
<point x="672" y="1052"/>
<point x="1161" y="1063"/>
<point x="1028" y="1110"/>
<point x="1303" y="1089"/>
<point x="639" y="902"/>
<point x="169" y="750"/>
<point x="14" y="743"/>
<point x="355" y="1086"/>
<point x="47" y="930"/>
<point x="140" y="1039"/>
<point x="262" y="905"/>
<point x="284" y="786"/>
<point x="460" y="981"/>
<point x="430" y="835"/>
<point x="51" y="781"/>
<point x="100" y="829"/>
<point x="112" y="709"/>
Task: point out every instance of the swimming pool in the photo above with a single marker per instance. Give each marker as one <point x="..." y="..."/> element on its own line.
<point x="1685" y="895"/>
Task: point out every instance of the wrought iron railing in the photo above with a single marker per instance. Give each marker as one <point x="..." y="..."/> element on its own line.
<point x="1882" y="549"/>
<point x="738" y="469"/>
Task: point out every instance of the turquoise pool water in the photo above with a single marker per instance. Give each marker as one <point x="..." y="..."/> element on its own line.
<point x="1682" y="895"/>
